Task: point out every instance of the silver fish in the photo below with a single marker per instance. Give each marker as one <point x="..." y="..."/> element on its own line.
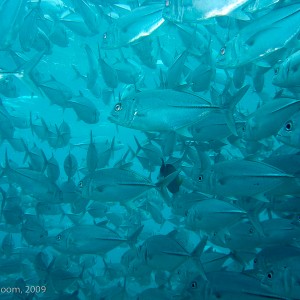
<point x="85" y="239"/>
<point x="269" y="118"/>
<point x="132" y="28"/>
<point x="143" y="111"/>
<point x="241" y="178"/>
<point x="255" y="41"/>
<point x="114" y="185"/>
<point x="212" y="215"/>
<point x="183" y="11"/>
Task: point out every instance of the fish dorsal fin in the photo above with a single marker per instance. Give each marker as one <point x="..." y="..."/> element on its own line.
<point x="172" y="234"/>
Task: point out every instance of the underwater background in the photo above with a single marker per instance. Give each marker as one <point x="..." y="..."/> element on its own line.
<point x="150" y="149"/>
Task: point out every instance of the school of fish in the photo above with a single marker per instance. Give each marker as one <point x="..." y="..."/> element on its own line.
<point x="150" y="149"/>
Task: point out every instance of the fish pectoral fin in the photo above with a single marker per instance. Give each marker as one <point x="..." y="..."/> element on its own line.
<point x="184" y="131"/>
<point x="263" y="64"/>
<point x="240" y="15"/>
<point x="174" y="253"/>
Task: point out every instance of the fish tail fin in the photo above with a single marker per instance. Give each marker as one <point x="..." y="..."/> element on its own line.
<point x="254" y="220"/>
<point x="24" y="72"/>
<point x="26" y="151"/>
<point x="78" y="75"/>
<point x="112" y="148"/>
<point x="45" y="161"/>
<point x="30" y="122"/>
<point x="6" y="165"/>
<point x="139" y="147"/>
<point x="196" y="254"/>
<point x="167" y="180"/>
<point x="132" y="238"/>
<point x="229" y="103"/>
<point x="44" y="124"/>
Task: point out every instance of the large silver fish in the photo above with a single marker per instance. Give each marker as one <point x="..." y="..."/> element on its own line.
<point x="164" y="252"/>
<point x="133" y="27"/>
<point x="89" y="239"/>
<point x="117" y="185"/>
<point x="228" y="285"/>
<point x="241" y="178"/>
<point x="257" y="40"/>
<point x="269" y="118"/>
<point x="165" y="110"/>
<point x="212" y="215"/>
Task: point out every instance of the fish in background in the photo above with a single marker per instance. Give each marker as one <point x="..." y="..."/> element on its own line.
<point x="287" y="73"/>
<point x="167" y="169"/>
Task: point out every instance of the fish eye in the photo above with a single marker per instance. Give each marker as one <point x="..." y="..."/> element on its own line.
<point x="118" y="107"/>
<point x="289" y="126"/>
<point x="251" y="230"/>
<point x="194" y="285"/>
<point x="105" y="35"/>
<point x="80" y="184"/>
<point x="200" y="178"/>
<point x="223" y="51"/>
<point x="270" y="275"/>
<point x="58" y="237"/>
<point x="276" y="71"/>
<point x="255" y="260"/>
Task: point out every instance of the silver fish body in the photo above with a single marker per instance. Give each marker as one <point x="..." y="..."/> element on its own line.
<point x="256" y="41"/>
<point x="161" y="110"/>
<point x="134" y="27"/>
<point x="241" y="178"/>
<point x="114" y="185"/>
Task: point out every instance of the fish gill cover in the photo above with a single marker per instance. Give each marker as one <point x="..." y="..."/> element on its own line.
<point x="150" y="149"/>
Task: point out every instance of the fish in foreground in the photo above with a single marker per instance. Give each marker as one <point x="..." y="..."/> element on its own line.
<point x="118" y="185"/>
<point x="167" y="110"/>
<point x="255" y="42"/>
